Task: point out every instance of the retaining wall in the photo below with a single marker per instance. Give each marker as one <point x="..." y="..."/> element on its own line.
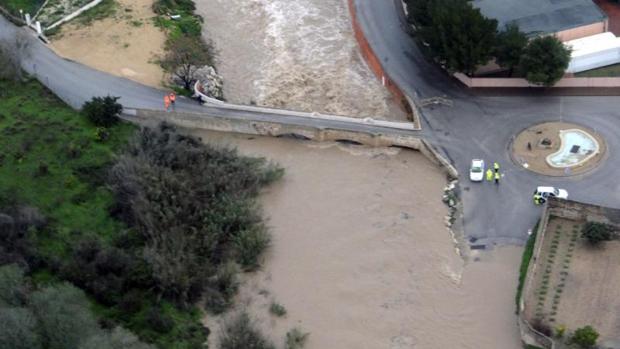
<point x="375" y="65"/>
<point x="567" y="82"/>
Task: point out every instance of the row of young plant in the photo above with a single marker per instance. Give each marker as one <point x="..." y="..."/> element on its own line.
<point x="461" y="39"/>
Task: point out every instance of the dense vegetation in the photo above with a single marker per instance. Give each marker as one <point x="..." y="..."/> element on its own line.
<point x="461" y="39"/>
<point x="54" y="316"/>
<point x="144" y="224"/>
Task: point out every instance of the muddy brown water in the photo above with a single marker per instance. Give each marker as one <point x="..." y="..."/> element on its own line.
<point x="293" y="54"/>
<point x="361" y="257"/>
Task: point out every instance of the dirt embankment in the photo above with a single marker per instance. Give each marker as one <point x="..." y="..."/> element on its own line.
<point x="126" y="44"/>
<point x="361" y="257"/>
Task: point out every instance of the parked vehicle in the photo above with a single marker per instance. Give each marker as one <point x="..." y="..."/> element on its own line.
<point x="476" y="171"/>
<point x="543" y="193"/>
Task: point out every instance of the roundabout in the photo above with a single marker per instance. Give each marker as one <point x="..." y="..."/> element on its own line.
<point x="558" y="149"/>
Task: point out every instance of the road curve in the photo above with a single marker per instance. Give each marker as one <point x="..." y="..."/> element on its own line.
<point x="482" y="127"/>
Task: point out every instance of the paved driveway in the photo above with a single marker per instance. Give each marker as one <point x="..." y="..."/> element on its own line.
<point x="482" y="127"/>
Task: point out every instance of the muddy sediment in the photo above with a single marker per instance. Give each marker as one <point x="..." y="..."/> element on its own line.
<point x="361" y="257"/>
<point x="293" y="54"/>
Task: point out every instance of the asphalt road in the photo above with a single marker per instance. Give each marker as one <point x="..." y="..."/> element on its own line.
<point x="474" y="127"/>
<point x="75" y="84"/>
<point x="483" y="126"/>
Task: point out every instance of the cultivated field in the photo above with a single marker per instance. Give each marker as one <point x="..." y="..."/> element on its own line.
<point x="574" y="284"/>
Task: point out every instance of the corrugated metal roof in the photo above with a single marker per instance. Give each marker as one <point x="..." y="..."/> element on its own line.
<point x="541" y="16"/>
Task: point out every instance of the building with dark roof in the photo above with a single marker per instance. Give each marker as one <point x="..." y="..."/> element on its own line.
<point x="567" y="19"/>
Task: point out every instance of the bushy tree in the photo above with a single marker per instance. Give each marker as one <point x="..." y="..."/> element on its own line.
<point x="16" y="225"/>
<point x="64" y="316"/>
<point x="241" y="333"/>
<point x="184" y="56"/>
<point x="12" y="286"/>
<point x="190" y="202"/>
<point x="105" y="272"/>
<point x="459" y="35"/>
<point x="596" y="232"/>
<point x="418" y="12"/>
<point x="509" y="47"/>
<point x="544" y="60"/>
<point x="118" y="338"/>
<point x="585" y="337"/>
<point x="103" y="111"/>
<point x="18" y="329"/>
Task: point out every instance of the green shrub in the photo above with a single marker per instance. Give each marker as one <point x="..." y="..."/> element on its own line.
<point x="585" y="337"/>
<point x="12" y="285"/>
<point x="159" y="320"/>
<point x="18" y="329"/>
<point x="295" y="339"/>
<point x="277" y="309"/>
<point x="595" y="232"/>
<point x="241" y="333"/>
<point x="250" y="244"/>
<point x="103" y="111"/>
<point x="63" y="315"/>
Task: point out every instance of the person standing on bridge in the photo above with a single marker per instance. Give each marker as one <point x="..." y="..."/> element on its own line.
<point x="497" y="176"/>
<point x="496" y="167"/>
<point x="173" y="99"/>
<point x="489" y="175"/>
<point x="167" y="102"/>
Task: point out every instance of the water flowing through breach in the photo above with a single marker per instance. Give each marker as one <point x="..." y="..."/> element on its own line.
<point x="294" y="54"/>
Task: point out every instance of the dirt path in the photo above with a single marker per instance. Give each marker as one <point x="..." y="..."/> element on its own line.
<point x="361" y="257"/>
<point x="124" y="45"/>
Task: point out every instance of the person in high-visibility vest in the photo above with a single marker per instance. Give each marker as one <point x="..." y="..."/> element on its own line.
<point x="489" y="175"/>
<point x="496" y="166"/>
<point x="497" y="175"/>
<point x="537" y="199"/>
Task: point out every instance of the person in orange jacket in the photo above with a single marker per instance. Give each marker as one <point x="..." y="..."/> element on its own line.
<point x="173" y="98"/>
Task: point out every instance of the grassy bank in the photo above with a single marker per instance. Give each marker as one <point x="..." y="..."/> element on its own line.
<point x="28" y="6"/>
<point x="608" y="71"/>
<point x="528" y="252"/>
<point x="53" y="160"/>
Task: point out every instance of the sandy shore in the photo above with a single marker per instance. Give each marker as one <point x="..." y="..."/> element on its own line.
<point x="361" y="258"/>
<point x="126" y="44"/>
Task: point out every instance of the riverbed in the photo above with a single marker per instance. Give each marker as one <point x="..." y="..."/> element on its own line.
<point x="293" y="54"/>
<point x="361" y="257"/>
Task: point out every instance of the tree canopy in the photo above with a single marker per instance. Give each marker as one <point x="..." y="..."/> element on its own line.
<point x="544" y="60"/>
<point x="458" y="34"/>
<point x="509" y="47"/>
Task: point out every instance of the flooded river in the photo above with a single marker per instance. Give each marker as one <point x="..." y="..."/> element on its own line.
<point x="295" y="54"/>
<point x="361" y="257"/>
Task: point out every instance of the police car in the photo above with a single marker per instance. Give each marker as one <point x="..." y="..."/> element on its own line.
<point x="476" y="171"/>
<point x="547" y="192"/>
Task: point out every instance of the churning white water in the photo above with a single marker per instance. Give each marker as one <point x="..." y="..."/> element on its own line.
<point x="294" y="54"/>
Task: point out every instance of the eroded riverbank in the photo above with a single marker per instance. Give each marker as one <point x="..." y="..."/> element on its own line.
<point x="361" y="257"/>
